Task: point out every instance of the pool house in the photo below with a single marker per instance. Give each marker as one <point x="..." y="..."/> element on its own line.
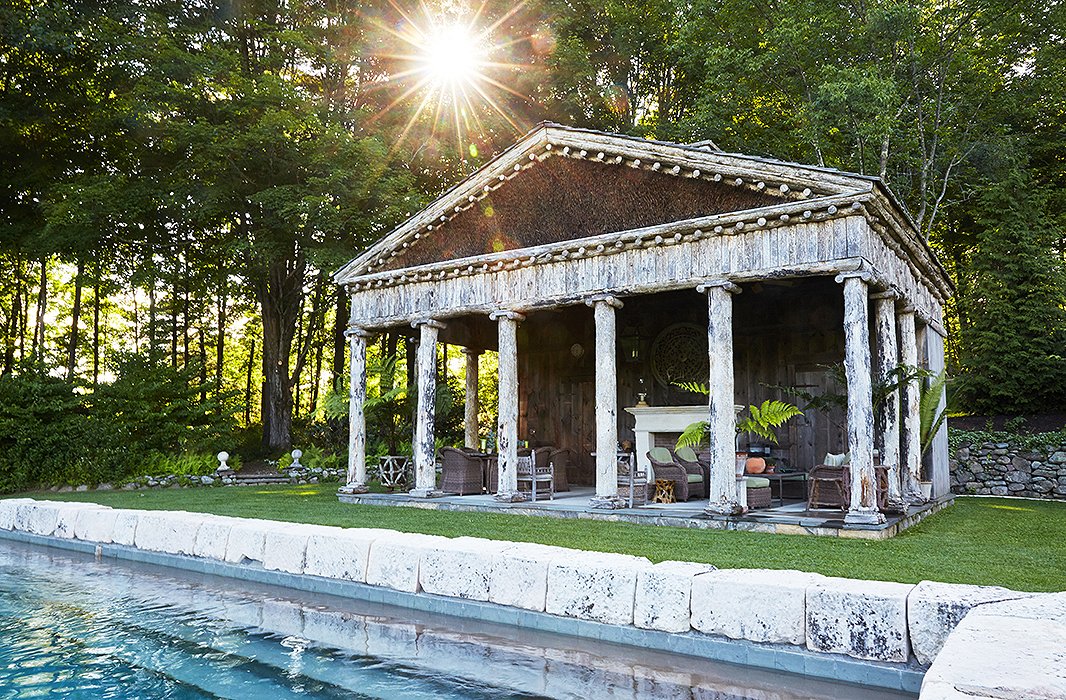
<point x="606" y="270"/>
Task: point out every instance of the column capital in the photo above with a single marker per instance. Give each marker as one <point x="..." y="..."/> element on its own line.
<point x="904" y="309"/>
<point x="356" y="332"/>
<point x="860" y="274"/>
<point x="604" y="299"/>
<point x="506" y="314"/>
<point x="708" y="285"/>
<point x="889" y="293"/>
<point x="432" y="323"/>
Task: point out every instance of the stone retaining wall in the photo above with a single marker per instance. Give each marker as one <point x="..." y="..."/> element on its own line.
<point x="1001" y="469"/>
<point x="870" y="620"/>
<point x="305" y="475"/>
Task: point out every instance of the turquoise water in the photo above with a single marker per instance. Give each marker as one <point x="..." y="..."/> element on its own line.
<point x="71" y="626"/>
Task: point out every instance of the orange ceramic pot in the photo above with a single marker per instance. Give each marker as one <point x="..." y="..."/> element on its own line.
<point x="755" y="465"/>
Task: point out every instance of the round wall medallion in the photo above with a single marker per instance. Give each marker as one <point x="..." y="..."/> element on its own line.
<point x="679" y="354"/>
<point x="576" y="350"/>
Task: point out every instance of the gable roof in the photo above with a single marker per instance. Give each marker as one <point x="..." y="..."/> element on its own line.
<point x="748" y="182"/>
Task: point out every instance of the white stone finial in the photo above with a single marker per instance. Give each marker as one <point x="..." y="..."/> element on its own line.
<point x="296" y="455"/>
<point x="223" y="457"/>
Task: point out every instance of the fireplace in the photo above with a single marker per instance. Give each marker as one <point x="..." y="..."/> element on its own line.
<point x="660" y="426"/>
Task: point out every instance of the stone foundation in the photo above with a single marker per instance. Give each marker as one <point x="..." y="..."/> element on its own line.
<point x="1002" y="469"/>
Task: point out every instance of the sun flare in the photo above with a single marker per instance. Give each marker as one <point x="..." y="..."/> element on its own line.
<point x="452" y="56"/>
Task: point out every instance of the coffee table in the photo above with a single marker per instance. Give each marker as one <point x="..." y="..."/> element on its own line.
<point x="780" y="478"/>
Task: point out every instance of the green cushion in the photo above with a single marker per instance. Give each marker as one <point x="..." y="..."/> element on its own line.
<point x="695" y="478"/>
<point x="661" y="454"/>
<point x="756" y="482"/>
<point x="686" y="454"/>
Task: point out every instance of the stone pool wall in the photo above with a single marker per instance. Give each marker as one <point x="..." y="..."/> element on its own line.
<point x="880" y="622"/>
<point x="1003" y="469"/>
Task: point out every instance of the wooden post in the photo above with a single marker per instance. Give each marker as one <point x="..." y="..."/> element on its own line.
<point x="471" y="401"/>
<point x="507" y="430"/>
<point x="724" y="487"/>
<point x="603" y="308"/>
<point x="939" y="469"/>
<point x="424" y="448"/>
<point x="863" y="510"/>
<point x="887" y="361"/>
<point x="912" y="420"/>
<point x="356" y="481"/>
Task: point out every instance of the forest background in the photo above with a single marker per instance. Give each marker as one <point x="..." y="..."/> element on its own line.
<point x="179" y="178"/>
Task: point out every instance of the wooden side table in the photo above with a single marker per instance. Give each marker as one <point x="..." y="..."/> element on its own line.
<point x="664" y="491"/>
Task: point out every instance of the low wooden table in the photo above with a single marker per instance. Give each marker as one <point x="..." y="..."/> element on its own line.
<point x="664" y="491"/>
<point x="780" y="478"/>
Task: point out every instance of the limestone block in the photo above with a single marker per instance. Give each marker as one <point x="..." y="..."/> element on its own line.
<point x="36" y="517"/>
<point x="760" y="605"/>
<point x="1003" y="650"/>
<point x="247" y="541"/>
<point x="96" y="524"/>
<point x="212" y="538"/>
<point x="8" y="508"/>
<point x="125" y="528"/>
<point x="343" y="554"/>
<point x="459" y="568"/>
<point x="594" y="586"/>
<point x="173" y="532"/>
<point x="285" y="548"/>
<point x="68" y="516"/>
<point x="394" y="560"/>
<point x="664" y="595"/>
<point x="934" y="609"/>
<point x="863" y="619"/>
<point x="519" y="576"/>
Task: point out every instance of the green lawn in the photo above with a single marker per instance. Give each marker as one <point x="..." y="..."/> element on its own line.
<point x="1013" y="543"/>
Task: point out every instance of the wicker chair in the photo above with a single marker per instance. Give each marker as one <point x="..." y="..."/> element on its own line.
<point x="687" y="458"/>
<point x="561" y="459"/>
<point x="461" y="473"/>
<point x="826" y="487"/>
<point x="665" y="467"/>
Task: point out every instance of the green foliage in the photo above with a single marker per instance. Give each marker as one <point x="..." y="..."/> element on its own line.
<point x="315" y="458"/>
<point x="1023" y="441"/>
<point x="931" y="416"/>
<point x="188" y="463"/>
<point x="761" y="420"/>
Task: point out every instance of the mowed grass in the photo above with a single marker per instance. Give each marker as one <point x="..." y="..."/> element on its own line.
<point x="1014" y="543"/>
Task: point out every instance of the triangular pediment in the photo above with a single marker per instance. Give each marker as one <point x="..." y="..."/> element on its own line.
<point x="559" y="184"/>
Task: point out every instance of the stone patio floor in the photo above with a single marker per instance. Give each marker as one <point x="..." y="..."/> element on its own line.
<point x="790" y="518"/>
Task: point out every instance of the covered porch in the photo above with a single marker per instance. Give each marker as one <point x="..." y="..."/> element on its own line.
<point x="594" y="332"/>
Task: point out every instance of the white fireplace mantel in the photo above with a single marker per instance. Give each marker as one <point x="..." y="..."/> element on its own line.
<point x="663" y="419"/>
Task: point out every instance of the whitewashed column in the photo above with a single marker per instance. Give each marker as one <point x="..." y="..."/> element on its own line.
<point x="471" y="439"/>
<point x="912" y="420"/>
<point x="939" y="469"/>
<point x="603" y="308"/>
<point x="424" y="447"/>
<point x="887" y="362"/>
<point x="724" y="487"/>
<point x="507" y="430"/>
<point x="356" y="481"/>
<point x="857" y="369"/>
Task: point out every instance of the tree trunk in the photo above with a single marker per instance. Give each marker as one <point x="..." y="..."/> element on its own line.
<point x="75" y="319"/>
<point x="203" y="364"/>
<point x="42" y="308"/>
<point x="279" y="293"/>
<point x="96" y="327"/>
<point x="248" y="386"/>
<point x="318" y="376"/>
<point x="340" y="323"/>
<point x="220" y="343"/>
<point x="151" y="322"/>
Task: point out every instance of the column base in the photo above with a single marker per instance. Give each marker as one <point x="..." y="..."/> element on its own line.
<point x="864" y="517"/>
<point x="915" y="498"/>
<point x="425" y="493"/>
<point x="725" y="508"/>
<point x="608" y="502"/>
<point x="354" y="488"/>
<point x="510" y="497"/>
<point x="895" y="504"/>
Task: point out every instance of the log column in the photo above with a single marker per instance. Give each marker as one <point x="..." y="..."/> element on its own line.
<point x="939" y="469"/>
<point x="725" y="497"/>
<point x="912" y="420"/>
<point x="603" y="308"/>
<point x="356" y="481"/>
<point x="471" y="438"/>
<point x="863" y="510"/>
<point x="887" y="362"/>
<point x="507" y="430"/>
<point x="424" y="448"/>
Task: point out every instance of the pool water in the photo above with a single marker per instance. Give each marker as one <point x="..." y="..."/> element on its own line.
<point x="76" y="627"/>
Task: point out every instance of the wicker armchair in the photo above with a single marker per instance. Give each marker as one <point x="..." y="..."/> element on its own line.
<point x="687" y="458"/>
<point x="561" y="459"/>
<point x="461" y="473"/>
<point x="666" y="467"/>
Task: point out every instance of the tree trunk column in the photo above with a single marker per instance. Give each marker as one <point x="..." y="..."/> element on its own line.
<point x="507" y="430"/>
<point x="424" y="448"/>
<point x="863" y="510"/>
<point x="912" y="420"/>
<point x="471" y="401"/>
<point x="887" y="361"/>
<point x="356" y="481"/>
<point x="723" y="489"/>
<point x="603" y="308"/>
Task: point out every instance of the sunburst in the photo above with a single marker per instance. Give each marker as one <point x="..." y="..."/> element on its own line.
<point x="451" y="63"/>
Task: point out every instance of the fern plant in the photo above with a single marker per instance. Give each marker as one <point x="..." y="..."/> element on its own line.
<point x="761" y="419"/>
<point x="929" y="411"/>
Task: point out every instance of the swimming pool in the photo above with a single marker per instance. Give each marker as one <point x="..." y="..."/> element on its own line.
<point x="74" y="626"/>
